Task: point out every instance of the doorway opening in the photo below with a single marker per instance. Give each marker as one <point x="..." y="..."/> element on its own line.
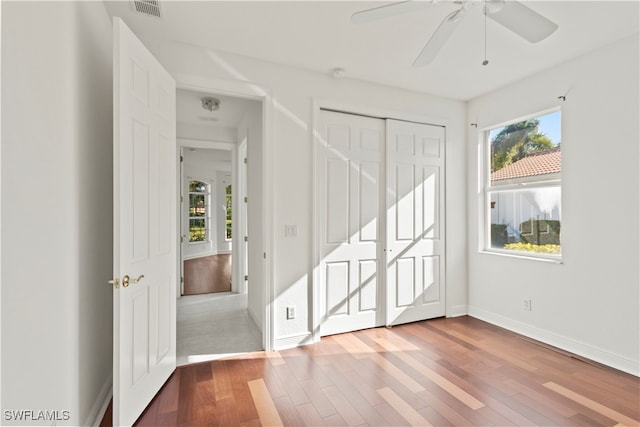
<point x="215" y="134"/>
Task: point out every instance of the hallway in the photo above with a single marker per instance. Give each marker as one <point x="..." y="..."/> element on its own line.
<point x="211" y="326"/>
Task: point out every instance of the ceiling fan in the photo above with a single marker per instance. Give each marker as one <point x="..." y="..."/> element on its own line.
<point x="511" y="14"/>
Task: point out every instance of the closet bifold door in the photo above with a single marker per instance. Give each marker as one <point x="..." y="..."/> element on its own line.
<point x="415" y="222"/>
<point x="349" y="168"/>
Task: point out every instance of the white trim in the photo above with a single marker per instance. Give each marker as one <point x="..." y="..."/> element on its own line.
<point x="291" y="341"/>
<point x="560" y="341"/>
<point x="379" y="113"/>
<point x="315" y="232"/>
<point x="247" y="90"/>
<point x="99" y="408"/>
<point x="530" y="256"/>
<point x="1" y="406"/>
<point x="457" y="311"/>
<point x="530" y="183"/>
<point x="206" y="143"/>
<point x="268" y="165"/>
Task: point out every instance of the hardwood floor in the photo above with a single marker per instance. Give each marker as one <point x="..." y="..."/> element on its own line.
<point x="207" y="274"/>
<point x="441" y="372"/>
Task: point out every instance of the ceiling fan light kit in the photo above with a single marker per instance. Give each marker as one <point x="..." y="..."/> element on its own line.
<point x="511" y="14"/>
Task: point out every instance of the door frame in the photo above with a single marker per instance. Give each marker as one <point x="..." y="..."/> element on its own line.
<point x="376" y="113"/>
<point x="263" y="95"/>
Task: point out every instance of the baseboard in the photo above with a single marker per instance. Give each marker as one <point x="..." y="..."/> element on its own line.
<point x="255" y="319"/>
<point x="100" y="405"/>
<point x="291" y="341"/>
<point x="458" y="310"/>
<point x="205" y="254"/>
<point x="562" y="342"/>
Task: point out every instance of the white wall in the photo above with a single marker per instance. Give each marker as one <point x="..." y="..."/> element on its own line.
<point x="206" y="133"/>
<point x="250" y="128"/>
<point x="56" y="209"/>
<point x="294" y="92"/>
<point x="589" y="304"/>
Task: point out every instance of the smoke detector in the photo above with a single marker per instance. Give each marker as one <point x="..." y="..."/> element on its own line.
<point x="147" y="7"/>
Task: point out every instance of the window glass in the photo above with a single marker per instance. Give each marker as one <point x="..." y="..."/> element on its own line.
<point x="523" y="189"/>
<point x="228" y="201"/>
<point x="198" y="211"/>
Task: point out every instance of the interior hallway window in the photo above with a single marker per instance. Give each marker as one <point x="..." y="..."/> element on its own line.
<point x="228" y="201"/>
<point x="198" y="211"/>
<point x="523" y="187"/>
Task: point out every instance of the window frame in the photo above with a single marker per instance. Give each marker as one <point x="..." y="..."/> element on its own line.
<point x="228" y="212"/>
<point x="488" y="190"/>
<point x="207" y="211"/>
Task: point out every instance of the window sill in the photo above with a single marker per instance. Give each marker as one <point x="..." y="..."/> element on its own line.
<point x="548" y="259"/>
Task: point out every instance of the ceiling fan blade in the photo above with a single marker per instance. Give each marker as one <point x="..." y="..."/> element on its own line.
<point x="525" y="22"/>
<point x="387" y="10"/>
<point x="439" y="38"/>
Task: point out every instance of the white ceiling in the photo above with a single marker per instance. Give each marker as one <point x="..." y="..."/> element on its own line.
<point x="318" y="35"/>
<point x="189" y="110"/>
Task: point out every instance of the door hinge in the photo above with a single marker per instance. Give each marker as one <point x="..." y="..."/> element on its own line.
<point x="181" y="159"/>
<point x="181" y="239"/>
<point x="245" y="199"/>
<point x="181" y="199"/>
<point x="181" y="279"/>
<point x="246" y="238"/>
<point x="246" y="277"/>
<point x="265" y="255"/>
<point x="246" y="161"/>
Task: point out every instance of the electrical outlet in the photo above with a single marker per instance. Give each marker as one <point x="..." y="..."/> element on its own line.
<point x="527" y="304"/>
<point x="291" y="312"/>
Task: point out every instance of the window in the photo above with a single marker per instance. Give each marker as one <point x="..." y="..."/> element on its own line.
<point x="523" y="187"/>
<point x="198" y="211"/>
<point x="228" y="223"/>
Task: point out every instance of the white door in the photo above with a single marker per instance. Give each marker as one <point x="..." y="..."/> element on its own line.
<point x="183" y="224"/>
<point x="241" y="254"/>
<point x="349" y="162"/>
<point x="144" y="353"/>
<point x="415" y="222"/>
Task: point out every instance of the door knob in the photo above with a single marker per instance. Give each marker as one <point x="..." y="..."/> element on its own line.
<point x="126" y="280"/>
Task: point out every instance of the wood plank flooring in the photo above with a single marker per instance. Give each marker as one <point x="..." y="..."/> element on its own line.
<point x="207" y="274"/>
<point x="442" y="372"/>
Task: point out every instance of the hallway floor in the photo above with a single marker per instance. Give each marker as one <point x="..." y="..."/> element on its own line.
<point x="212" y="326"/>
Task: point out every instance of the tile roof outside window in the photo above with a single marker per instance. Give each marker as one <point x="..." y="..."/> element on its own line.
<point x="547" y="162"/>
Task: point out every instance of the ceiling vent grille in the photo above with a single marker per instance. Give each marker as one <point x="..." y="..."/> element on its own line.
<point x="147" y="7"/>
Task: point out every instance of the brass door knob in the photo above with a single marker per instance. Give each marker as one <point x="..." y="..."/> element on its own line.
<point x="126" y="280"/>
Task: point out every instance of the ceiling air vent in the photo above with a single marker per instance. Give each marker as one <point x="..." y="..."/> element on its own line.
<point x="147" y="7"/>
